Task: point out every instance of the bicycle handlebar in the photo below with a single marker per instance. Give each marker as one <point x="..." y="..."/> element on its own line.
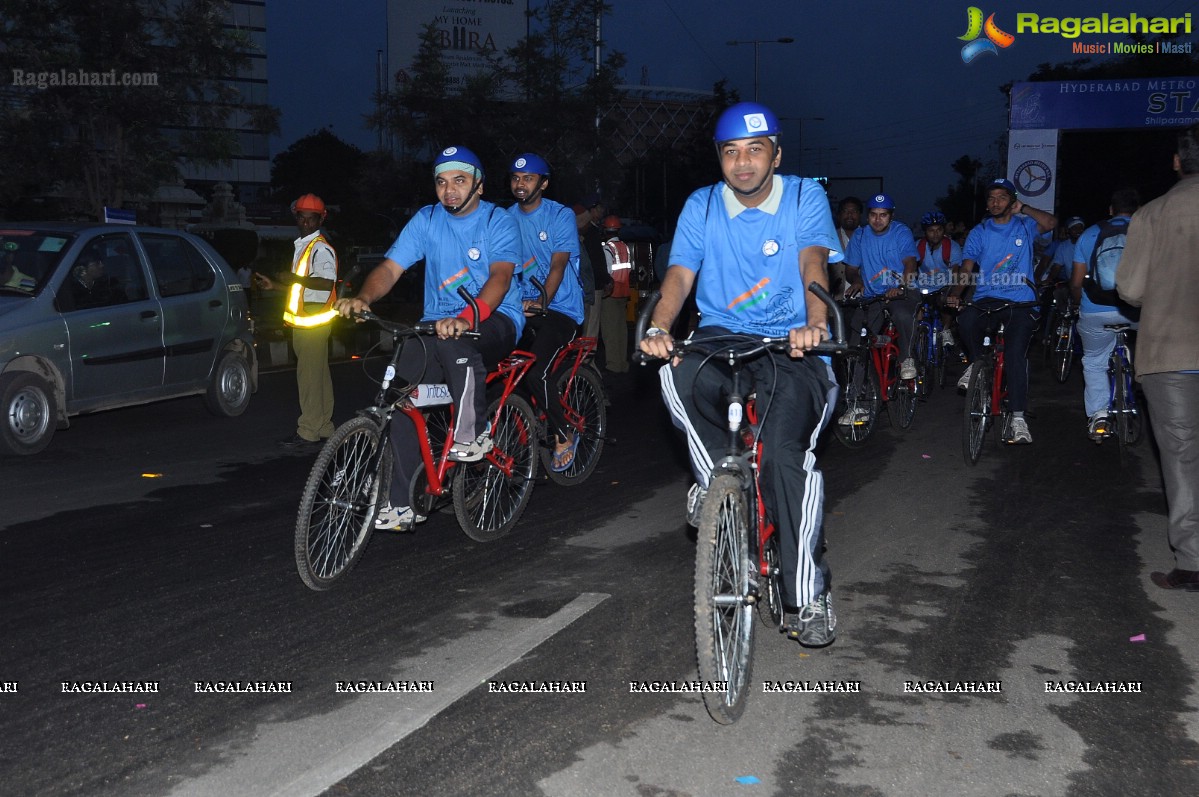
<point x="833" y="346"/>
<point x="407" y="330"/>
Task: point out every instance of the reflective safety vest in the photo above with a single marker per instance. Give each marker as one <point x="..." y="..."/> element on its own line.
<point x="293" y="313"/>
<point x="620" y="266"/>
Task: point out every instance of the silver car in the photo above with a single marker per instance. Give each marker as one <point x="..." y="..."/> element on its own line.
<point x="94" y="317"/>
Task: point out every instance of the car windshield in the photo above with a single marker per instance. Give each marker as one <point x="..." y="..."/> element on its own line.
<point x="28" y="258"/>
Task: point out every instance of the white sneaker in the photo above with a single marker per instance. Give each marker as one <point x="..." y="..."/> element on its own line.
<point x="964" y="382"/>
<point x="1097" y="429"/>
<point x="855" y="416"/>
<point x="397" y="517"/>
<point x="907" y="369"/>
<point x="474" y="450"/>
<point x="1019" y="433"/>
<point x="947" y="338"/>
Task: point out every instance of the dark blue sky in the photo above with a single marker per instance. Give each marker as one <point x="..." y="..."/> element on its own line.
<point x="887" y="77"/>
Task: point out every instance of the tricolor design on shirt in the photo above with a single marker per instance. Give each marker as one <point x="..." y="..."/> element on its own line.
<point x="749" y="299"/>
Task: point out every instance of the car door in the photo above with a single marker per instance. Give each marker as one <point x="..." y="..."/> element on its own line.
<point x="114" y="328"/>
<point x="195" y="306"/>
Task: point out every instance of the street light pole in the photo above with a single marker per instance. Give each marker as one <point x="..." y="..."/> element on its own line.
<point x="755" y="43"/>
<point x="799" y="139"/>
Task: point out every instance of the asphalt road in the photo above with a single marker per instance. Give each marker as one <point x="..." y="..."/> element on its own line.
<point x="154" y="544"/>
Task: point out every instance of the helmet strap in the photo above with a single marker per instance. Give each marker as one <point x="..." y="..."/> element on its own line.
<point x="458" y="208"/>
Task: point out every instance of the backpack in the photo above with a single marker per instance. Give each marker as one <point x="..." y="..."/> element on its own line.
<point x="922" y="247"/>
<point x="1100" y="282"/>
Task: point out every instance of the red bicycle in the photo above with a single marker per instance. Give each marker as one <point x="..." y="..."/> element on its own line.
<point x="869" y="377"/>
<point x="737" y="554"/>
<point x="986" y="396"/>
<point x="349" y="481"/>
<point x="580" y="390"/>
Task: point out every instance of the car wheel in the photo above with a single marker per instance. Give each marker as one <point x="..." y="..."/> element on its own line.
<point x="29" y="413"/>
<point x="229" y="391"/>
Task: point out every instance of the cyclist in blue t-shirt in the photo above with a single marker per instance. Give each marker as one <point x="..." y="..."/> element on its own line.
<point x="464" y="241"/>
<point x="1000" y="248"/>
<point x="881" y="261"/>
<point x="1097" y="342"/>
<point x="939" y="258"/>
<point x="550" y="253"/>
<point x="749" y="246"/>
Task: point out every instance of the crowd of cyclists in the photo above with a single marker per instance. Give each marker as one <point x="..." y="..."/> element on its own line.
<point x="744" y="252"/>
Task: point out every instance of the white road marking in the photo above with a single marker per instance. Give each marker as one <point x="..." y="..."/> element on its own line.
<point x="308" y="756"/>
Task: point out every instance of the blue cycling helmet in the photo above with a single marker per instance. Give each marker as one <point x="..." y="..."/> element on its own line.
<point x="882" y="201"/>
<point x="459" y="158"/>
<point x="931" y="218"/>
<point x="745" y="120"/>
<point x="531" y="163"/>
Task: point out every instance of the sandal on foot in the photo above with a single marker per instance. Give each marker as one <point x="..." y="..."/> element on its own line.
<point x="562" y="460"/>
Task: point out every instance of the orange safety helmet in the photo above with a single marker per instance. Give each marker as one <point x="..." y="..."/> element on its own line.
<point x="611" y="223"/>
<point x="310" y="202"/>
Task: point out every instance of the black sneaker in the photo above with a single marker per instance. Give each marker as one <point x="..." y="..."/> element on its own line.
<point x="297" y="443"/>
<point x="813" y="625"/>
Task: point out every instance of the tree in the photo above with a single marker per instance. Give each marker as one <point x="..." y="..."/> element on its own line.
<point x="109" y="94"/>
<point x="961" y="202"/>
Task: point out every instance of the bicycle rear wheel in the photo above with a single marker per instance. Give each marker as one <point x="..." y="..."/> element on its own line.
<point x="1063" y="355"/>
<point x="490" y="495"/>
<point x="770" y="595"/>
<point x="858" y="403"/>
<point x="341" y="498"/>
<point x="586" y="409"/>
<point x="724" y="623"/>
<point x="1129" y="421"/>
<point x="978" y="411"/>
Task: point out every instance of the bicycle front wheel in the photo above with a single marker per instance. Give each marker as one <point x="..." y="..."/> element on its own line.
<point x="922" y="355"/>
<point x="588" y="416"/>
<point x="978" y="411"/>
<point x="490" y="495"/>
<point x="724" y="622"/>
<point x="340" y="501"/>
<point x="858" y="402"/>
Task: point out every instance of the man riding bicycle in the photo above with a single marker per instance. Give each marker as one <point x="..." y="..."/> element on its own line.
<point x="1001" y="249"/>
<point x="750" y="245"/>
<point x="468" y="242"/>
<point x="549" y="253"/>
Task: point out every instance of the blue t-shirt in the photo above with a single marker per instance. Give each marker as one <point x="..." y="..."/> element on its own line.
<point x="548" y="229"/>
<point x="1082" y="254"/>
<point x="459" y="251"/>
<point x="879" y="257"/>
<point x="748" y="277"/>
<point x="934" y="273"/>
<point x="1063" y="256"/>
<point x="1004" y="254"/>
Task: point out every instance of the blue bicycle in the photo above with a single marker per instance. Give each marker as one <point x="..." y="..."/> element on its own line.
<point x="930" y="354"/>
<point x="1124" y="418"/>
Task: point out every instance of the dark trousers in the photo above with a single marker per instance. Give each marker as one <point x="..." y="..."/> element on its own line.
<point x="1019" y="323"/>
<point x="545" y="336"/>
<point x="1174" y="415"/>
<point x="903" y="311"/>
<point x="462" y="364"/>
<point x="794" y="401"/>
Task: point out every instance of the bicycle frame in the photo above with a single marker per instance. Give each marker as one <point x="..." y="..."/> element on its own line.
<point x="578" y="352"/>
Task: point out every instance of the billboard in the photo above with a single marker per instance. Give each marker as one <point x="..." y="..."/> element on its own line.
<point x="1115" y="103"/>
<point x="464" y="28"/>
